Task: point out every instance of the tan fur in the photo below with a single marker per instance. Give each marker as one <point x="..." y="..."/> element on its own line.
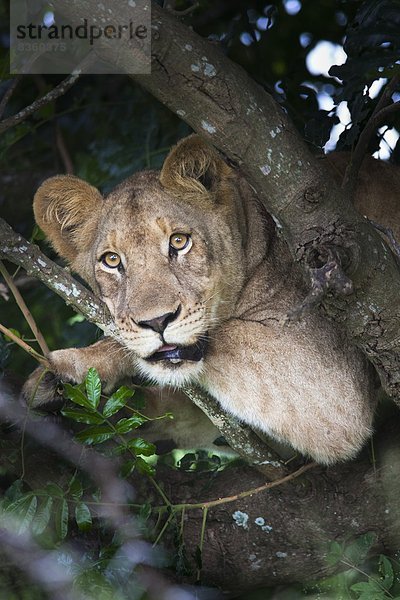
<point x="66" y="209"/>
<point x="378" y="189"/>
<point x="303" y="384"/>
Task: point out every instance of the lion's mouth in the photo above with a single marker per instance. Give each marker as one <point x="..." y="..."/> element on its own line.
<point x="195" y="352"/>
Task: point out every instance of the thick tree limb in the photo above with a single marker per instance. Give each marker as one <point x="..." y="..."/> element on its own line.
<point x="19" y="251"/>
<point x="220" y="101"/>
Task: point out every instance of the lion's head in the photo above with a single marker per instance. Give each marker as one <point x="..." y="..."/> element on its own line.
<point x="164" y="250"/>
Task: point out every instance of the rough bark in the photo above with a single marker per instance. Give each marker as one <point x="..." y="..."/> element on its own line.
<point x="221" y="102"/>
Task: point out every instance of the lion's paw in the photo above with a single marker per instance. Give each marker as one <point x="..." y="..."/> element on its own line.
<point x="42" y="389"/>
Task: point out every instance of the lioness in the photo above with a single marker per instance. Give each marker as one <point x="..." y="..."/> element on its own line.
<point x="198" y="282"/>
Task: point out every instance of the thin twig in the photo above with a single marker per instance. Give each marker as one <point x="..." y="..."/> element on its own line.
<point x="23" y="427"/>
<point x="63" y="150"/>
<point x="5" y="99"/>
<point x="163" y="529"/>
<point x="55" y="93"/>
<point x="368" y="576"/>
<point x="202" y="533"/>
<point x="266" y="486"/>
<point x="185" y="12"/>
<point x="180" y="13"/>
<point x="225" y="500"/>
<point x="380" y="114"/>
<point x="24" y="309"/>
<point x="24" y="346"/>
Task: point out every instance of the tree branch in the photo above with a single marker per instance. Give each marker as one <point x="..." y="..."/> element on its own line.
<point x="63" y="151"/>
<point x="24" y="345"/>
<point x="24" y="309"/>
<point x="8" y="93"/>
<point x="55" y="93"/>
<point x="19" y="251"/>
<point x="240" y="437"/>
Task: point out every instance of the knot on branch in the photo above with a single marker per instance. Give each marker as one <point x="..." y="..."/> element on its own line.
<point x="327" y="275"/>
<point x="311" y="198"/>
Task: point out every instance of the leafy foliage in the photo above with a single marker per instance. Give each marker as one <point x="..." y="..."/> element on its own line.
<point x="54" y="514"/>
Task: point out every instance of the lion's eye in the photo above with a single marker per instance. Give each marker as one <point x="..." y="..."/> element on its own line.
<point x="180" y="242"/>
<point x="112" y="260"/>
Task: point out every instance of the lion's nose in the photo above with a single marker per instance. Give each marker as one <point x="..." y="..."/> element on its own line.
<point x="159" y="324"/>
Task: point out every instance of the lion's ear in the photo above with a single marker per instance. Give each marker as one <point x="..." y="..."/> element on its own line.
<point x="67" y="209"/>
<point x="194" y="166"/>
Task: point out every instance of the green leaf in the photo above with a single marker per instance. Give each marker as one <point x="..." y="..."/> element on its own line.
<point x="15" y="332"/>
<point x="386" y="572"/>
<point x="92" y="584"/>
<point x="83" y="517"/>
<point x="144" y="467"/>
<point x="93" y="388"/>
<point x="77" y="396"/>
<point x="120" y="449"/>
<point x="145" y="511"/>
<point x="126" y="425"/>
<point x="117" y="401"/>
<point x="14" y="507"/>
<point x="30" y="511"/>
<point x="75" y="319"/>
<point x="61" y="519"/>
<point x="127" y="468"/>
<point x="43" y="516"/>
<point x="37" y="234"/>
<point x="24" y="510"/>
<point x="14" y="491"/>
<point x="370" y="587"/>
<point x="138" y="402"/>
<point x="356" y="552"/>
<point x="54" y="490"/>
<point x="82" y="417"/>
<point x="183" y="566"/>
<point x="75" y="488"/>
<point x="140" y="446"/>
<point x="95" y="435"/>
